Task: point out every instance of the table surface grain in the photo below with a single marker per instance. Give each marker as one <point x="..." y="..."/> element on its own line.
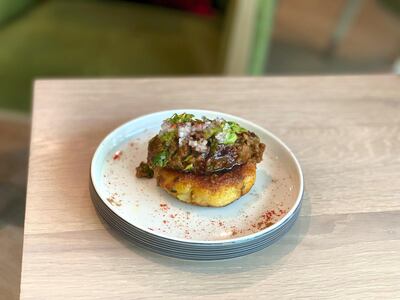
<point x="346" y="243"/>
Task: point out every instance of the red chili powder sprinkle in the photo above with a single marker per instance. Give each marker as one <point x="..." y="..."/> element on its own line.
<point x="165" y="221"/>
<point x="263" y="224"/>
<point x="164" y="206"/>
<point x="117" y="155"/>
<point x="234" y="230"/>
<point x="266" y="219"/>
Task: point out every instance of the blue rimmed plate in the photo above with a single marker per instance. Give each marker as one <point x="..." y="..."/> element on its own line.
<point x="140" y="209"/>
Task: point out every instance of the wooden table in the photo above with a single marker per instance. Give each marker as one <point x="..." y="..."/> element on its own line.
<point x="346" y="244"/>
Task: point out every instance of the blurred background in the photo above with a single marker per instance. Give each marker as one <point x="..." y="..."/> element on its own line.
<point x="116" y="38"/>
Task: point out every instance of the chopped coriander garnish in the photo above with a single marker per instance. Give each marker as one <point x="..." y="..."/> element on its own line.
<point x="181" y="118"/>
<point x="229" y="133"/>
<point x="161" y="159"/>
<point x="230" y="138"/>
<point x="213" y="145"/>
<point x="189" y="167"/>
<point x="211" y="131"/>
<point x="236" y="128"/>
<point x="168" y="137"/>
<point x="188" y="158"/>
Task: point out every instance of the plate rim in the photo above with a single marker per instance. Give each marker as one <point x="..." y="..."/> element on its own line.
<point x="107" y="215"/>
<point x="195" y="254"/>
<point x="224" y="115"/>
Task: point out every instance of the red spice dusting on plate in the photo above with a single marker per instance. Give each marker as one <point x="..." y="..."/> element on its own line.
<point x="165" y="221"/>
<point x="117" y="155"/>
<point x="267" y="215"/>
<point x="113" y="201"/>
<point x="267" y="219"/>
<point x="236" y="231"/>
<point x="263" y="224"/>
<point x="164" y="206"/>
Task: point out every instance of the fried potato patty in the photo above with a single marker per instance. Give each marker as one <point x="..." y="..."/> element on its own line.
<point x="208" y="190"/>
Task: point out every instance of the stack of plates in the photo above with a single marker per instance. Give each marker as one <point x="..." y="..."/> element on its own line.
<point x="152" y="219"/>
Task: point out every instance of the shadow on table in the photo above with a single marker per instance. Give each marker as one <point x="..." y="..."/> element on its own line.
<point x="205" y="277"/>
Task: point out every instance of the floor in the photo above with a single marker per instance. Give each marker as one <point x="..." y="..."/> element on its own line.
<point x="303" y="38"/>
<point x="373" y="31"/>
<point x="286" y="59"/>
<point x="14" y="140"/>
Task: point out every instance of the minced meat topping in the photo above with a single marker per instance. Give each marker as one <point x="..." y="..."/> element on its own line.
<point x="201" y="146"/>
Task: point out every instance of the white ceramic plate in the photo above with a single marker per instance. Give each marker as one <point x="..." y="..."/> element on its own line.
<point x="139" y="202"/>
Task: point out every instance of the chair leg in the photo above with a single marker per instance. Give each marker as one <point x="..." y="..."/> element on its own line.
<point x="346" y="19"/>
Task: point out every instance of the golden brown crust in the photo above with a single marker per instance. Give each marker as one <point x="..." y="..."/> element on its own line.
<point x="208" y="190"/>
